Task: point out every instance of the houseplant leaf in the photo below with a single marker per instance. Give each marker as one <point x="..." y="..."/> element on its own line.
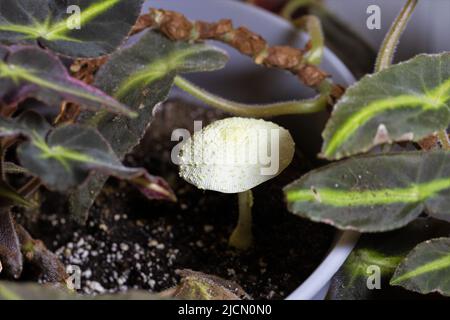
<point x="9" y="197"/>
<point x="32" y="72"/>
<point x="96" y="29"/>
<point x="375" y="193"/>
<point x="34" y="291"/>
<point x="384" y="251"/>
<point x="426" y="268"/>
<point x="64" y="157"/>
<point x="408" y="101"/>
<point x="9" y="244"/>
<point x="141" y="76"/>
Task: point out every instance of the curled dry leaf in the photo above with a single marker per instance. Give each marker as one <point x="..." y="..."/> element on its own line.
<point x="177" y="27"/>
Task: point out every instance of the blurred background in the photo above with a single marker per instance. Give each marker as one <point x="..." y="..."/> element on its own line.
<point x="428" y="30"/>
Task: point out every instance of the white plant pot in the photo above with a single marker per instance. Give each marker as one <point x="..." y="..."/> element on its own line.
<point x="264" y="86"/>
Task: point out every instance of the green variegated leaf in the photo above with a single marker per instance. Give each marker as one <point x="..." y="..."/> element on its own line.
<point x="426" y="268"/>
<point x="141" y="76"/>
<point x="27" y="124"/>
<point x="32" y="72"/>
<point x="64" y="157"/>
<point x="381" y="252"/>
<point x="375" y="193"/>
<point x="408" y="101"/>
<point x="80" y="28"/>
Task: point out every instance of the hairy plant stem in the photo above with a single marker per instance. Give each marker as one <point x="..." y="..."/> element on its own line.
<point x="255" y="111"/>
<point x="389" y="45"/>
<point x="242" y="236"/>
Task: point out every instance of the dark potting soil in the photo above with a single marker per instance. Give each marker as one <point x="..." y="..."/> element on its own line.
<point x="132" y="243"/>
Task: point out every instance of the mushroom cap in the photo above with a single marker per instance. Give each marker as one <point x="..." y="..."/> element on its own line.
<point x="235" y="154"/>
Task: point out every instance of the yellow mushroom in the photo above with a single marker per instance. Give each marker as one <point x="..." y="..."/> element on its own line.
<point x="234" y="155"/>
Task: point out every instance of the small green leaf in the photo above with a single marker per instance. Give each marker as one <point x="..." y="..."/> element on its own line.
<point x="98" y="28"/>
<point x="384" y="251"/>
<point x="408" y="101"/>
<point x="140" y="76"/>
<point x="10" y="197"/>
<point x="426" y="268"/>
<point x="375" y="193"/>
<point x="32" y="72"/>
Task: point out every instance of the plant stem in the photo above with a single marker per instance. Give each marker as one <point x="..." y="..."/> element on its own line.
<point x="443" y="138"/>
<point x="242" y="237"/>
<point x="255" y="111"/>
<point x="312" y="25"/>
<point x="30" y="187"/>
<point x="387" y="50"/>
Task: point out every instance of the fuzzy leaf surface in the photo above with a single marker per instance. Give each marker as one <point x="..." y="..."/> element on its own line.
<point x="375" y="193"/>
<point x="140" y="76"/>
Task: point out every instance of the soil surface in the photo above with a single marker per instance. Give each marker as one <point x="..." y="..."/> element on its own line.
<point x="132" y="243"/>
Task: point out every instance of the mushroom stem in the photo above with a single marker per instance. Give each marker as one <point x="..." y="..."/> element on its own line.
<point x="242" y="237"/>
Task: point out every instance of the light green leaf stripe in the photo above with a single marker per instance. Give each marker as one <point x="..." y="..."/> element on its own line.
<point x="374" y="193"/>
<point x="432" y="266"/>
<point x="344" y="198"/>
<point x="6" y="294"/>
<point x="366" y="257"/>
<point x="434" y="99"/>
<point x="9" y="193"/>
<point x="58" y="31"/>
<point x="157" y="70"/>
<point x="61" y="154"/>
